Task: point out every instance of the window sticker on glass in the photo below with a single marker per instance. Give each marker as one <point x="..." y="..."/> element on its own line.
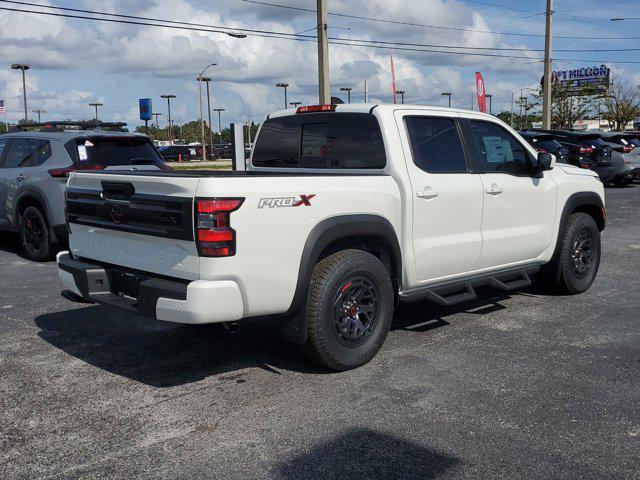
<point x="82" y="153"/>
<point x="498" y="149"/>
<point x="87" y="143"/>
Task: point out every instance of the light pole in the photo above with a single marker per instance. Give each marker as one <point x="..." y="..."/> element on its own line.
<point x="207" y="80"/>
<point x="518" y="90"/>
<point x="96" y="105"/>
<point x="219" y="110"/>
<point x="170" y="126"/>
<point x="448" y="94"/>
<point x="157" y="126"/>
<point x="490" y="97"/>
<point x="401" y="93"/>
<point x="284" y="85"/>
<point x="24" y="67"/>
<point x="348" y="90"/>
<point x="295" y="104"/>
<point x="204" y="153"/>
<point x="39" y="111"/>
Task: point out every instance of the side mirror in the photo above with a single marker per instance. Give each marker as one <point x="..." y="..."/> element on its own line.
<point x="546" y="161"/>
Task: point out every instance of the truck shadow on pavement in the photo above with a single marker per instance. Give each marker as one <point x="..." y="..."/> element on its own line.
<point x="364" y="453"/>
<point x="163" y="354"/>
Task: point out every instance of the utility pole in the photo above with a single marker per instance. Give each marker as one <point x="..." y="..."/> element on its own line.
<point x="157" y="126"/>
<point x="170" y="127"/>
<point x="546" y="89"/>
<point x="96" y="105"/>
<point x="24" y="67"/>
<point x="38" y="111"/>
<point x="323" y="55"/>
<point x="219" y="110"/>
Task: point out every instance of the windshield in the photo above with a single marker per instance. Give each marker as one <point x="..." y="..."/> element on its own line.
<point x="107" y="151"/>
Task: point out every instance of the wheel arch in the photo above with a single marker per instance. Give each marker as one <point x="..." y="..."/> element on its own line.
<point x="371" y="233"/>
<point x="587" y="202"/>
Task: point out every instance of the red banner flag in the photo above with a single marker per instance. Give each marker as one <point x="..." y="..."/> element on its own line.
<point x="482" y="99"/>
<point x="393" y="79"/>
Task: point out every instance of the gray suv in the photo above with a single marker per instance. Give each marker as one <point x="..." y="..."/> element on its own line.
<point x="34" y="167"/>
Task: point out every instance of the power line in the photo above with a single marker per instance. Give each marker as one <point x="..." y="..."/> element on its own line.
<point x="442" y="27"/>
<point x="217" y="28"/>
<point x="288" y="36"/>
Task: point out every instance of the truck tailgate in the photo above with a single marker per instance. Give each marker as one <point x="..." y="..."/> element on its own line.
<point x="139" y="222"/>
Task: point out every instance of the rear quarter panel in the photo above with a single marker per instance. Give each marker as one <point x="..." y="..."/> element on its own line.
<point x="270" y="239"/>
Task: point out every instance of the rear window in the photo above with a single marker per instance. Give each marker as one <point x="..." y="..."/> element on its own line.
<point x="548" y="145"/>
<point x="110" y="152"/>
<point x="320" y="140"/>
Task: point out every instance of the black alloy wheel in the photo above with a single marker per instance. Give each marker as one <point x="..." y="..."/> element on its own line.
<point x="356" y="310"/>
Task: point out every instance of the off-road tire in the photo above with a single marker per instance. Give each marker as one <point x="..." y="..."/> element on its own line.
<point x="325" y="345"/>
<point x="562" y="270"/>
<point x="33" y="224"/>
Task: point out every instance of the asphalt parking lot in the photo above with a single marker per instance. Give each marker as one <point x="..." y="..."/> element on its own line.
<point x="529" y="385"/>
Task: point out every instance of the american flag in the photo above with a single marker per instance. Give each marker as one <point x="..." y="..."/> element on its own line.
<point x="3" y="109"/>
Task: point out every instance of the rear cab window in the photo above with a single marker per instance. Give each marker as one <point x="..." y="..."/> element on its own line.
<point x="113" y="151"/>
<point x="328" y="140"/>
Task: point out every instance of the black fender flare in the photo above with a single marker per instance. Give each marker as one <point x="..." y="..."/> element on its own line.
<point x="323" y="235"/>
<point x="38" y="197"/>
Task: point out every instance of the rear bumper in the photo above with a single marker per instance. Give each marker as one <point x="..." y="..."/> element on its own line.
<point x="171" y="300"/>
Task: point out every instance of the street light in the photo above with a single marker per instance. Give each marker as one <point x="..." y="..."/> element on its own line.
<point x="284" y="85"/>
<point x="401" y="93"/>
<point x="170" y="126"/>
<point x="348" y="90"/>
<point x="518" y="90"/>
<point x="448" y="94"/>
<point x="219" y="110"/>
<point x="199" y="77"/>
<point x="38" y="111"/>
<point x="295" y="104"/>
<point x="24" y="67"/>
<point x="157" y="126"/>
<point x="96" y="105"/>
<point x="207" y="80"/>
<point x="490" y="97"/>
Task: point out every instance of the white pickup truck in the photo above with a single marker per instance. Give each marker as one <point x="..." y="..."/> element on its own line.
<point x="345" y="211"/>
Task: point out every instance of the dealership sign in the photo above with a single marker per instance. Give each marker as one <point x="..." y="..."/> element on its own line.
<point x="578" y="79"/>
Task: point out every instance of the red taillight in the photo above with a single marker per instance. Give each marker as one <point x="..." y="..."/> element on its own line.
<point x="586" y="166"/>
<point x="586" y="150"/>
<point x="624" y="149"/>
<point x="214" y="235"/>
<point x="316" y="108"/>
<point x="64" y="172"/>
<point x="540" y="150"/>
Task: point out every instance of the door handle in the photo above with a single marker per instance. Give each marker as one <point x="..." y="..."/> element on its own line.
<point x="428" y="193"/>
<point x="494" y="189"/>
<point x="20" y="177"/>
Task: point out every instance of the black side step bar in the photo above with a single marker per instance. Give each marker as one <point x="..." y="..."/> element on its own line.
<point x="459" y="291"/>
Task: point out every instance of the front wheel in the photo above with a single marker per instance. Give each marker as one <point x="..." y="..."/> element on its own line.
<point x="349" y="310"/>
<point x="577" y="263"/>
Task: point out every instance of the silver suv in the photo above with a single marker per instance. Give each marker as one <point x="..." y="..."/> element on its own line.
<point x="34" y="167"/>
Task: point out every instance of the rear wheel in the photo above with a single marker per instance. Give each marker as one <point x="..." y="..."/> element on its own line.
<point x="349" y="310"/>
<point x="578" y="259"/>
<point x="34" y="234"/>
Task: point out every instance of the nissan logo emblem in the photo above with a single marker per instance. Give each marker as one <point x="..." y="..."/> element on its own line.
<point x="117" y="214"/>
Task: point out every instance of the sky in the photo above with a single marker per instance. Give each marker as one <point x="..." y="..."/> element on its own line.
<point x="75" y="62"/>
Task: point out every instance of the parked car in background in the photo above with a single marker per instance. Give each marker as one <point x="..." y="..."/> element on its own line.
<point x="626" y="147"/>
<point x="547" y="143"/>
<point x="636" y="124"/>
<point x="175" y="153"/>
<point x="34" y="167"/>
<point x="223" y="150"/>
<point x="587" y="150"/>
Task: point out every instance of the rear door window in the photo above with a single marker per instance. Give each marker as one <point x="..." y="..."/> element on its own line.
<point x="21" y="153"/>
<point x="322" y="140"/>
<point x="110" y="152"/>
<point x="436" y="145"/>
